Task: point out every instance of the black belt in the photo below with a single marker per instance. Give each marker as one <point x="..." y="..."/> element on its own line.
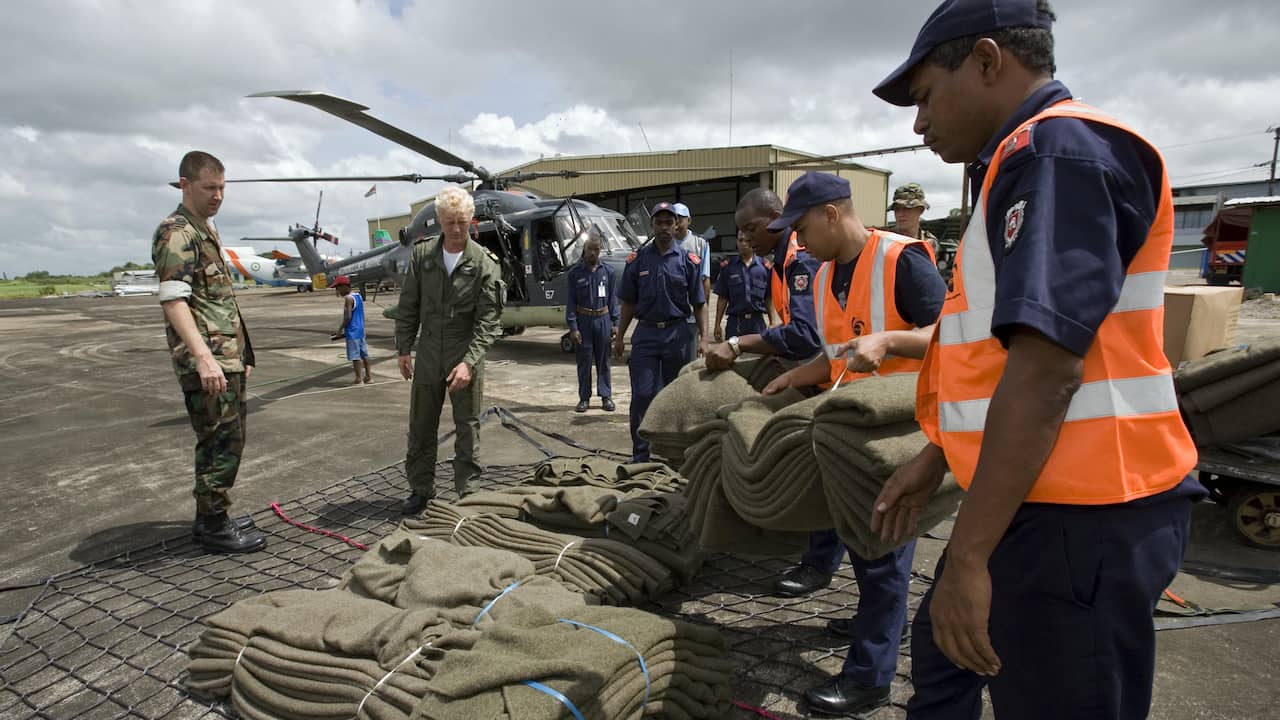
<point x="595" y="312"/>
<point x="662" y="323"/>
<point x="748" y="316"/>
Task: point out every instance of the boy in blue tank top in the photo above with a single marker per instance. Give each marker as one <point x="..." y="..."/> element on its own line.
<point x="353" y="328"/>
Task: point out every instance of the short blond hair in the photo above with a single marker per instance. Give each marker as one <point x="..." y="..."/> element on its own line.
<point x="453" y="200"/>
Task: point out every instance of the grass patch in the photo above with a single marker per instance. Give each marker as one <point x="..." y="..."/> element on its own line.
<point x="22" y="289"/>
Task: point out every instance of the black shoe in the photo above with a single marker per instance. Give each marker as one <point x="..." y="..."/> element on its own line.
<point x="801" y="580"/>
<point x="607" y="404"/>
<point x="841" y="696"/>
<point x="841" y="628"/>
<point x="219" y="533"/>
<point x="414" y="504"/>
<point x="582" y="406"/>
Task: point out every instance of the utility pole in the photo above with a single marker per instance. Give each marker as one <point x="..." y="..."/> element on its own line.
<point x="1271" y="181"/>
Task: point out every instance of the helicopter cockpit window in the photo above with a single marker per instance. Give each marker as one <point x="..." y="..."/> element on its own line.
<point x="615" y="239"/>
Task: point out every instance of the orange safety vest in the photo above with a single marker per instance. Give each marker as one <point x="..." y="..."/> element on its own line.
<point x="1122" y="438"/>
<point x="779" y="293"/>
<point x="871" y="306"/>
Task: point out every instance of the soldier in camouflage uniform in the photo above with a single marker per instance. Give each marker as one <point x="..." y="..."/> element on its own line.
<point x="209" y="345"/>
<point x="908" y="207"/>
<point x="451" y="306"/>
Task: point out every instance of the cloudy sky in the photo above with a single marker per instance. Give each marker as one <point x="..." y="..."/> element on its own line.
<point x="101" y="98"/>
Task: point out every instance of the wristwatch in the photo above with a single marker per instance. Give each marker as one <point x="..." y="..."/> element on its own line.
<point x="733" y="345"/>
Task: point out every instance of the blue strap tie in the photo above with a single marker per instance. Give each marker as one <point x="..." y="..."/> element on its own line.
<point x="557" y="695"/>
<point x="494" y="601"/>
<point x="644" y="668"/>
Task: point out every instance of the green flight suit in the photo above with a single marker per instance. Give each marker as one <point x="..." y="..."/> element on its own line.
<point x="452" y="318"/>
<point x="189" y="265"/>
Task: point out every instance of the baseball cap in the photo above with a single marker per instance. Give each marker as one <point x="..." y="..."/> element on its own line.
<point x="681" y="209"/>
<point x="664" y="206"/>
<point x="956" y="19"/>
<point x="910" y="195"/>
<point x="810" y="189"/>
<point x="341" y="280"/>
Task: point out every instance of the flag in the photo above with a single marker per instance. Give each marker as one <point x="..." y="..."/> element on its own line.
<point x="372" y="191"/>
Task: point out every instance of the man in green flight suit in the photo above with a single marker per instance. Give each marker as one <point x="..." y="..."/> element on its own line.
<point x="209" y="346"/>
<point x="451" y="305"/>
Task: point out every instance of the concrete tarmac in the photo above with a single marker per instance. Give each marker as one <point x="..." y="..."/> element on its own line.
<point x="96" y="455"/>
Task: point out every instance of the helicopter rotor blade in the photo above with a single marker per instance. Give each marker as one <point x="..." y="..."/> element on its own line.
<point x="355" y="114"/>
<point x="458" y="178"/>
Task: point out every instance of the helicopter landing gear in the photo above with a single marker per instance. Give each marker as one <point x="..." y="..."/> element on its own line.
<point x="566" y="343"/>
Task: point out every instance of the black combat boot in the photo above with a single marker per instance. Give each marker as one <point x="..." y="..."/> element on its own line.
<point x="219" y="533"/>
<point x="415" y="503"/>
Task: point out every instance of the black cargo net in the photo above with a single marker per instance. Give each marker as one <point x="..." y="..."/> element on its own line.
<point x="109" y="639"/>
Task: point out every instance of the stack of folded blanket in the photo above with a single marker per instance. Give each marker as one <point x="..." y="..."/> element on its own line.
<point x="1231" y="395"/>
<point x="610" y="571"/>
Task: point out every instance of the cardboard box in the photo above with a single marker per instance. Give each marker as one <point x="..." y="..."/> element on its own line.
<point x="1199" y="320"/>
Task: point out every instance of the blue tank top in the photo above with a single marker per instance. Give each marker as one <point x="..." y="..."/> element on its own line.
<point x="355" y="328"/>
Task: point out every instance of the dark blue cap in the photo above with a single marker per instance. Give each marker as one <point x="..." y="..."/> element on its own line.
<point x="664" y="206"/>
<point x="956" y="19"/>
<point x="810" y="190"/>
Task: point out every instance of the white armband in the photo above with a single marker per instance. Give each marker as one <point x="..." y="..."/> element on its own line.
<point x="174" y="290"/>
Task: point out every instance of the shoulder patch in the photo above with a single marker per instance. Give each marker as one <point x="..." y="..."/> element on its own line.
<point x="695" y="259"/>
<point x="1017" y="143"/>
<point x="800" y="282"/>
<point x="631" y="257"/>
<point x="724" y="263"/>
<point x="1013" y="218"/>
<point x="178" y="220"/>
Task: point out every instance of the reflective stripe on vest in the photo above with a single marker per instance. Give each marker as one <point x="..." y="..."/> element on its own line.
<point x="1122" y="437"/>
<point x="779" y="293"/>
<point x="877" y="271"/>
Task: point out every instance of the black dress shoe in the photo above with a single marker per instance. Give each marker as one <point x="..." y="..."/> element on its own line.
<point x="414" y="504"/>
<point x="582" y="406"/>
<point x="607" y="404"/>
<point x="801" y="580"/>
<point x="841" y="696"/>
<point x="841" y="628"/>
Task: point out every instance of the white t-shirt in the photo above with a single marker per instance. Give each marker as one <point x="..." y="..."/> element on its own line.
<point x="451" y="259"/>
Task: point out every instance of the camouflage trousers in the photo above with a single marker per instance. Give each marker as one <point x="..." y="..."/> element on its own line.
<point x="219" y="422"/>
<point x="426" y="402"/>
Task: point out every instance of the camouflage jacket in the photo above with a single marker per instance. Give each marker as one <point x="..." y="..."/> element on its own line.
<point x="451" y="317"/>
<point x="189" y="266"/>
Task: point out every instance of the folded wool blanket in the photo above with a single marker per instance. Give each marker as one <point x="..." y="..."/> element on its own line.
<point x="408" y="570"/>
<point x="685" y="410"/>
<point x="655" y="523"/>
<point x="610" y="571"/>
<point x="684" y="672"/>
<point x="599" y="472"/>
<point x="321" y="654"/>
<point x="1231" y="395"/>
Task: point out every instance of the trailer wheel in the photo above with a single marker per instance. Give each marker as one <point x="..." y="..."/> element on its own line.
<point x="1255" y="514"/>
<point x="566" y="343"/>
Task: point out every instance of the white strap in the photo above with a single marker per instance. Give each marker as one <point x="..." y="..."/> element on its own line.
<point x="237" y="662"/>
<point x="461" y="520"/>
<point x="562" y="552"/>
<point x="411" y="656"/>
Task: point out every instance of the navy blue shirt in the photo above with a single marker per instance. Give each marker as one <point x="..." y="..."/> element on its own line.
<point x="743" y="285"/>
<point x="663" y="286"/>
<point x="593" y="289"/>
<point x="798" y="339"/>
<point x="1066" y="215"/>
<point x="918" y="289"/>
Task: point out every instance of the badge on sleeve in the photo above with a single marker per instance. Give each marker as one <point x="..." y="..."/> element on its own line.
<point x="1013" y="218"/>
<point x="695" y="259"/>
<point x="1019" y="141"/>
<point x="631" y="257"/>
<point x="800" y="282"/>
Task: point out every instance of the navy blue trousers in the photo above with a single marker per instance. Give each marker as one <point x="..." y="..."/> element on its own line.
<point x="595" y="351"/>
<point x="740" y="326"/>
<point x="657" y="354"/>
<point x="1073" y="591"/>
<point x="882" y="605"/>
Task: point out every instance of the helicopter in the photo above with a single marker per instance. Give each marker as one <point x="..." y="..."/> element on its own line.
<point x="534" y="237"/>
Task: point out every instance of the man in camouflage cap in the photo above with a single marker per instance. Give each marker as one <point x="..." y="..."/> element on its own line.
<point x="209" y="347"/>
<point x="908" y="207"/>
